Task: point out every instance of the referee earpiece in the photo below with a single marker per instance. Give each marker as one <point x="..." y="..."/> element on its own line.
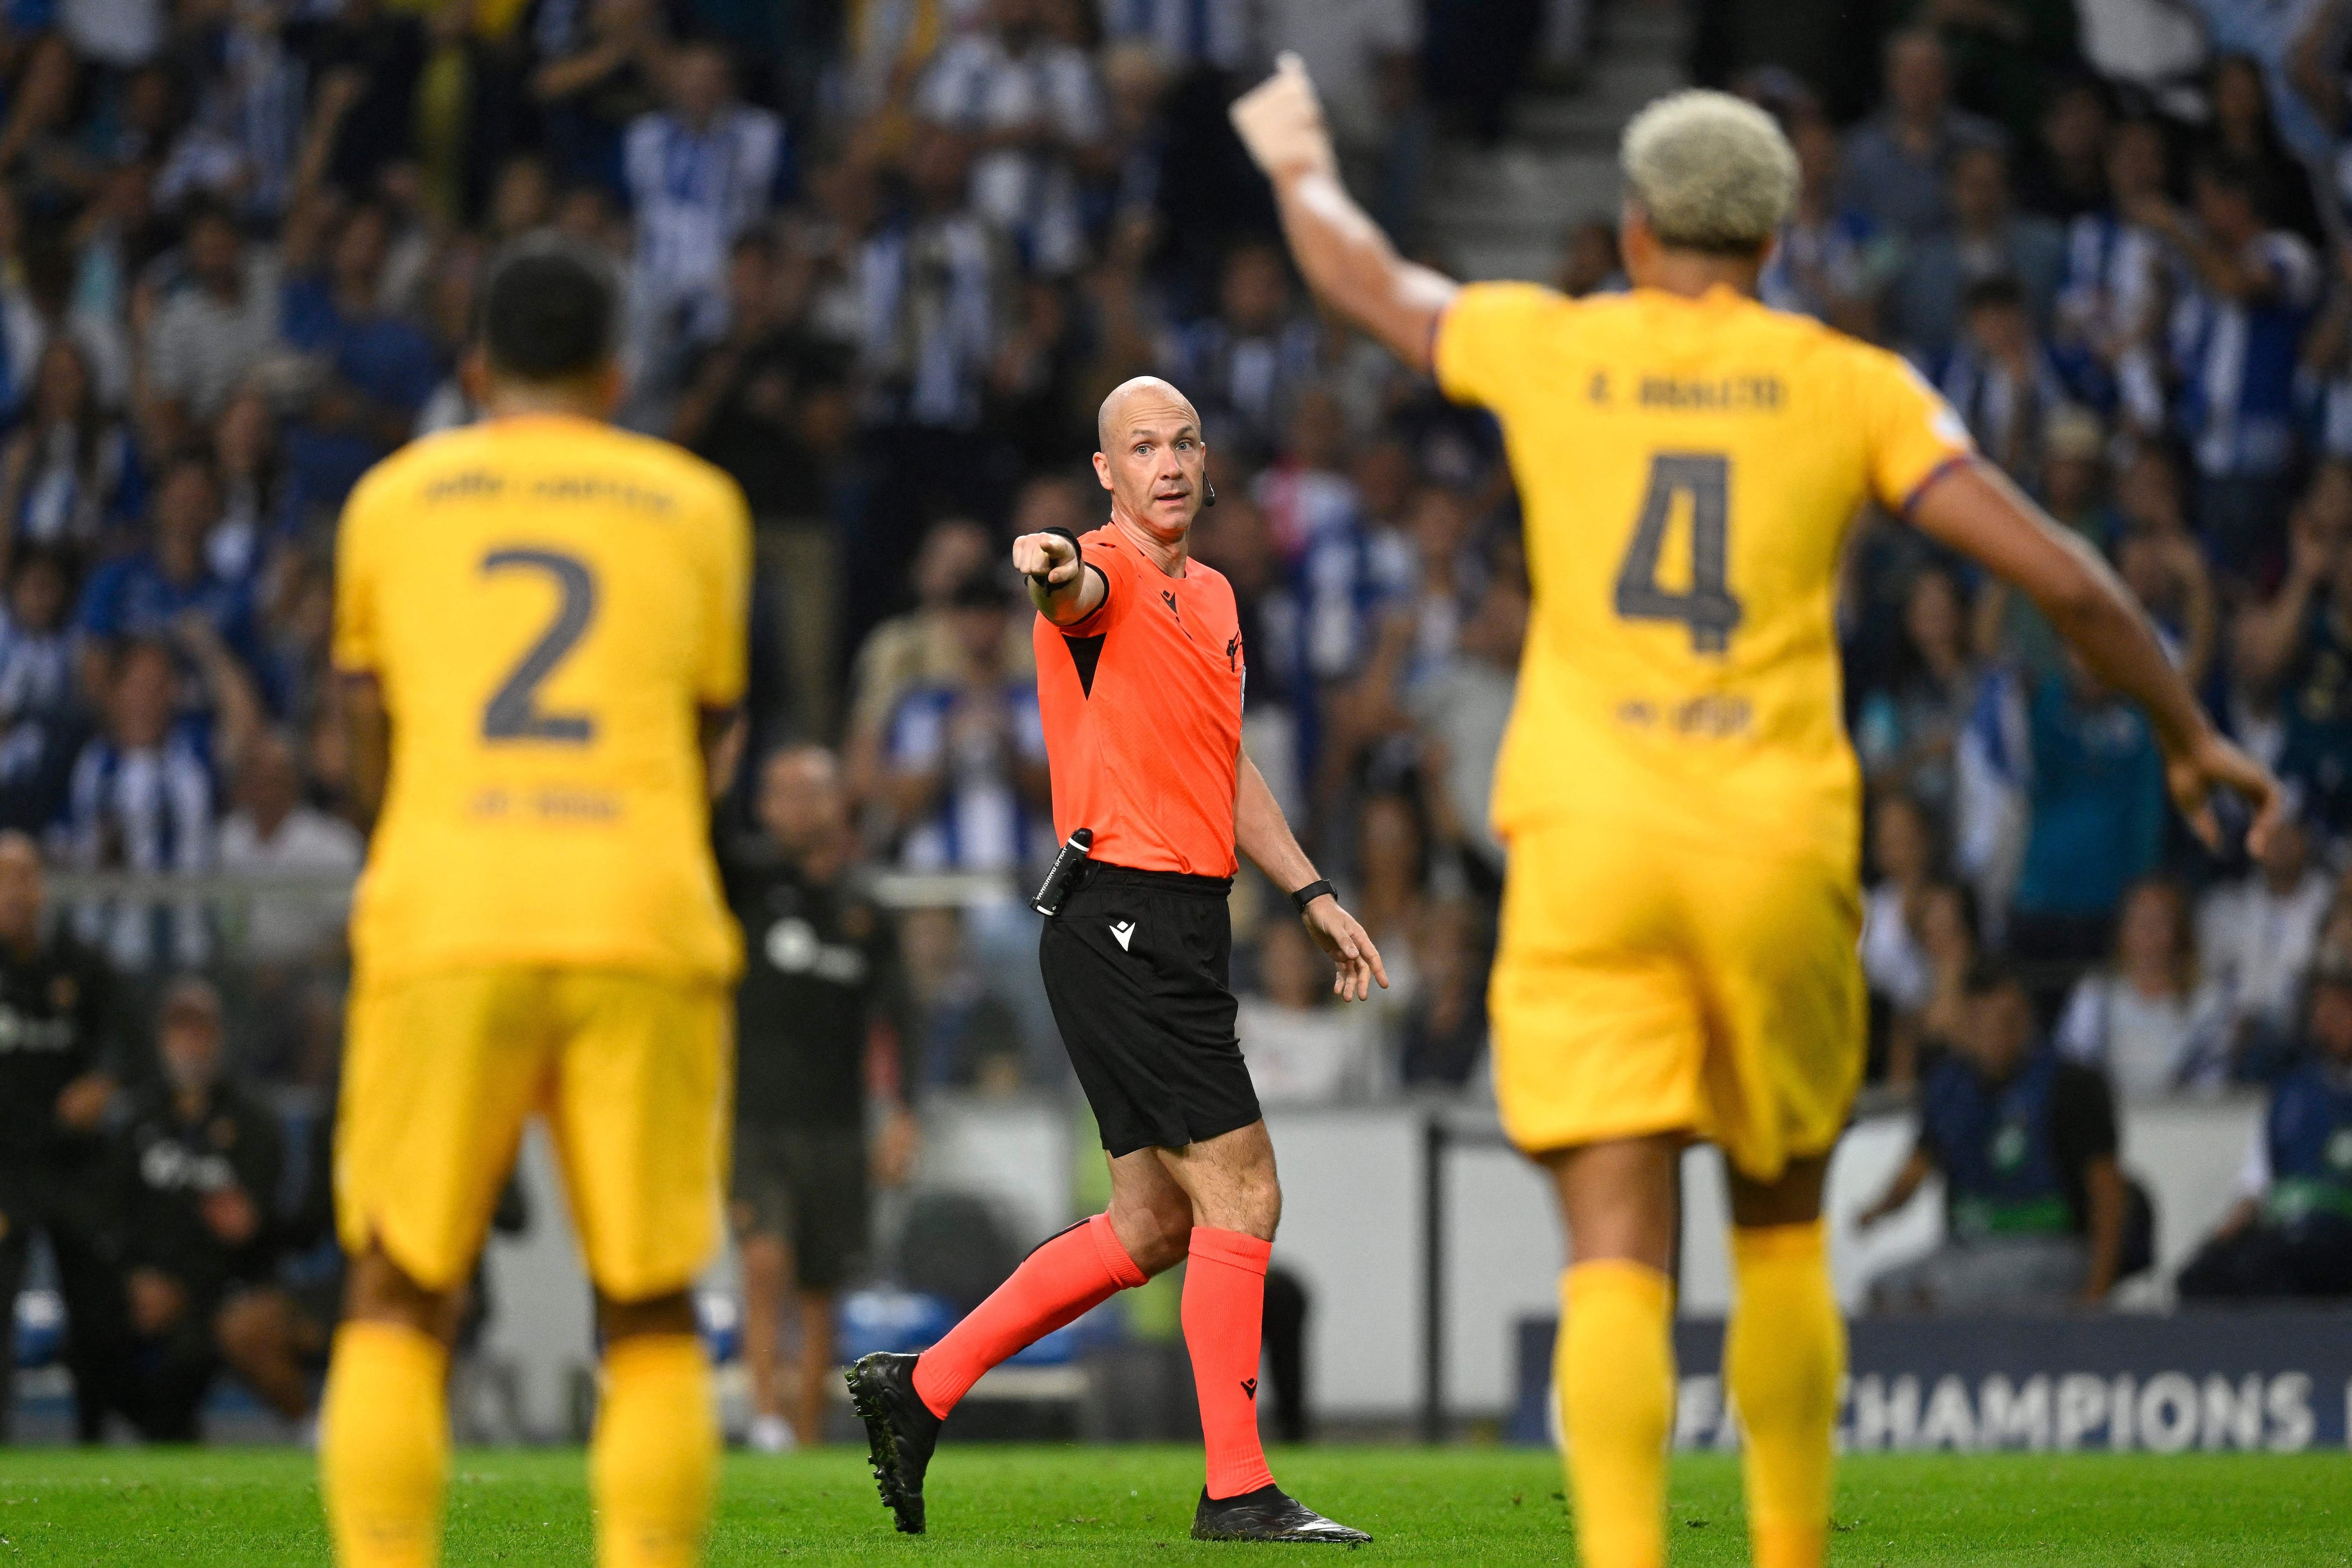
<point x="1207" y="492"/>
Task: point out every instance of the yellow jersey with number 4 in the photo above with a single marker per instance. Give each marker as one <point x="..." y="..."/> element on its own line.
<point x="546" y="603"/>
<point x="1688" y="468"/>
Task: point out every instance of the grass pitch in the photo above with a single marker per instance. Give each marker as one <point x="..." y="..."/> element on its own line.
<point x="130" y="1509"/>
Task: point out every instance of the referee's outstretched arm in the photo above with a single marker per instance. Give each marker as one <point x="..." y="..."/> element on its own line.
<point x="1263" y="834"/>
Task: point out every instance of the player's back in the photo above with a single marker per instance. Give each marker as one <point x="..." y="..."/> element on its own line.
<point x="546" y="603"/>
<point x="1688" y="468"/>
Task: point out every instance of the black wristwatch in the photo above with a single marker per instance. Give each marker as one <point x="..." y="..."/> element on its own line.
<point x="1312" y="891"/>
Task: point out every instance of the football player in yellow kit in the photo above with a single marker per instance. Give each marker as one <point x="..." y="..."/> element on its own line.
<point x="1678" y="959"/>
<point x="539" y="625"/>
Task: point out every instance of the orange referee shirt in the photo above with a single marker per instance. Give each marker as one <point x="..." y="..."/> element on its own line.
<point x="1142" y="705"/>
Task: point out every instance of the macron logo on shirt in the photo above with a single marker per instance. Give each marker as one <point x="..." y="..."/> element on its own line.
<point x="1123" y="930"/>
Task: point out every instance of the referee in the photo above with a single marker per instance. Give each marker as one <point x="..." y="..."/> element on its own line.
<point x="1139" y="678"/>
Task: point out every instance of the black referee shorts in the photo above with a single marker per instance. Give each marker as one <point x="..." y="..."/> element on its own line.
<point x="1138" y="966"/>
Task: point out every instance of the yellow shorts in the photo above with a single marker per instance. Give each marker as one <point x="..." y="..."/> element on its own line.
<point x="633" y="1072"/>
<point x="1648" y="985"/>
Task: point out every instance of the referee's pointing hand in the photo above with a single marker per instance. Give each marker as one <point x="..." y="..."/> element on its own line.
<point x="1347" y="944"/>
<point x="1046" y="557"/>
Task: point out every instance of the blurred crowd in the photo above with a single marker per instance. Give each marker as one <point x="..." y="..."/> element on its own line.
<point x="883" y="259"/>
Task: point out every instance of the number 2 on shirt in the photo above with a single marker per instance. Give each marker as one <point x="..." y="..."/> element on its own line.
<point x="513" y="713"/>
<point x="1707" y="608"/>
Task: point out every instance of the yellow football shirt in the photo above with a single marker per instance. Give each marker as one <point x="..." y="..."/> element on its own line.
<point x="546" y="603"/>
<point x="1687" y="469"/>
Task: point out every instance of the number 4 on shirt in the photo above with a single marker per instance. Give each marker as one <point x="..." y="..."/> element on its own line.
<point x="1707" y="608"/>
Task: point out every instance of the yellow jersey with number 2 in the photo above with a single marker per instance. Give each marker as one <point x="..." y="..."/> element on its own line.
<point x="547" y="603"/>
<point x="1688" y="470"/>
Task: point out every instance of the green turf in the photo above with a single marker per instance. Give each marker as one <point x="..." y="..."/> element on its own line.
<point x="130" y="1509"/>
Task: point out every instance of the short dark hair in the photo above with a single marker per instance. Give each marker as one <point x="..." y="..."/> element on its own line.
<point x="550" y="310"/>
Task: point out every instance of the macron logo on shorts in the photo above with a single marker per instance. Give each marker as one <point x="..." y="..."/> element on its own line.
<point x="1123" y="930"/>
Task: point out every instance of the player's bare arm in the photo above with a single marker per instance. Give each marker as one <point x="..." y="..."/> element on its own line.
<point x="1340" y="251"/>
<point x="721" y="733"/>
<point x="1263" y="834"/>
<point x="367" y="735"/>
<point x="1975" y="509"/>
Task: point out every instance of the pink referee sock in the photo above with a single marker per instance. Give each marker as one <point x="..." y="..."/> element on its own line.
<point x="1058" y="1283"/>
<point x="1225" y="1315"/>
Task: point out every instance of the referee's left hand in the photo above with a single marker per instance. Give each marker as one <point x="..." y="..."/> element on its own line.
<point x="1346" y="943"/>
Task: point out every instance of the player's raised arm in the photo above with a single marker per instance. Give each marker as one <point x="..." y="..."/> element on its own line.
<point x="1340" y="251"/>
<point x="1975" y="509"/>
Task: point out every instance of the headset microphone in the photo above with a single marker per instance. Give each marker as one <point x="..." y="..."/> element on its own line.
<point x="1207" y="492"/>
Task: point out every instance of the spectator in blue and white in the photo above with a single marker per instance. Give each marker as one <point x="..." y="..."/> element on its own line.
<point x="69" y="474"/>
<point x="2111" y="307"/>
<point x="1244" y="364"/>
<point x="2258" y="937"/>
<point x="245" y="141"/>
<point x="2096" y="802"/>
<point x="1986" y="238"/>
<point x="928" y="288"/>
<point x="41" y="725"/>
<point x="1445" y="580"/>
<point x="2149" y="1017"/>
<point x="699" y="173"/>
<point x="1831" y="263"/>
<point x="1897" y="161"/>
<point x="964" y="763"/>
<point x="1033" y="110"/>
<point x="216" y="326"/>
<point x="375" y="369"/>
<point x="2237" y="338"/>
<point x="1991" y="774"/>
<point x="260" y="499"/>
<point x="144" y="595"/>
<point x="39" y="305"/>
<point x="1999" y="375"/>
<point x="142" y="800"/>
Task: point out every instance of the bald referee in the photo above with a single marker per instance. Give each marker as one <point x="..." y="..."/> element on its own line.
<point x="1140" y="676"/>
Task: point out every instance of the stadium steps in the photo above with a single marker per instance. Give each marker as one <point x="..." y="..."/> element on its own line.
<point x="1502" y="212"/>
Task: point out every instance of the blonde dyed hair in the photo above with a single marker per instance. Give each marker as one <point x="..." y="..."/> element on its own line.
<point x="1709" y="171"/>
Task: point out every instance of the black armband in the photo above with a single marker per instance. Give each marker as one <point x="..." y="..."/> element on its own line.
<point x="1312" y="891"/>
